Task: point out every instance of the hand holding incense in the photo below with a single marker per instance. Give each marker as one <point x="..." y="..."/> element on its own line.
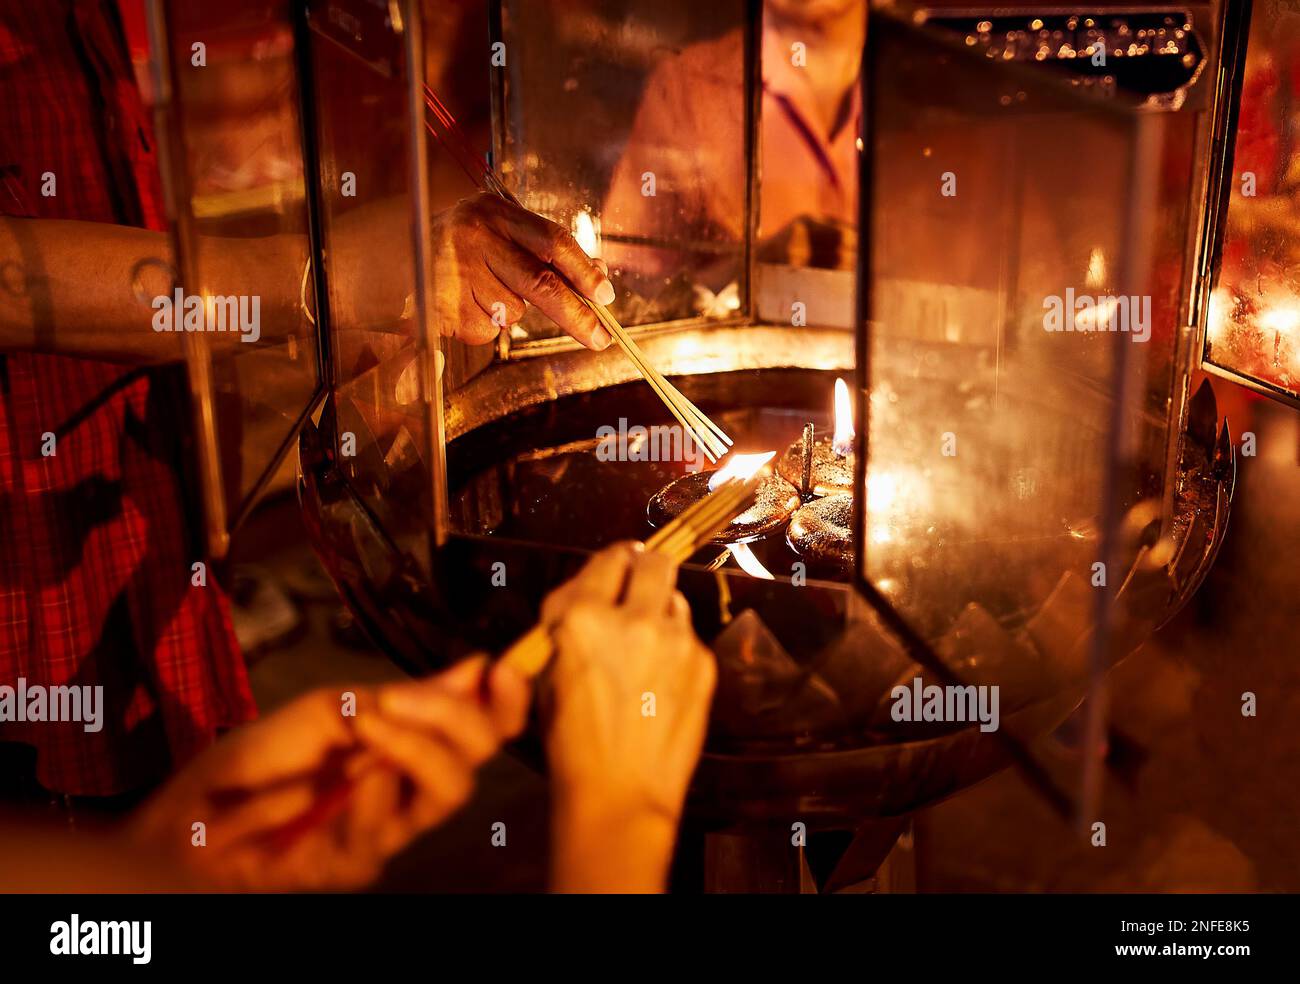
<point x="708" y="435"/>
<point x="687" y="532"/>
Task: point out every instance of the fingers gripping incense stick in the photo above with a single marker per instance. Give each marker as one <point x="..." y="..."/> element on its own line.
<point x="687" y="532"/>
<point x="708" y="435"/>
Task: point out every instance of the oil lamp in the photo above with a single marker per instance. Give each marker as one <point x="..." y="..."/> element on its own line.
<point x="823" y="466"/>
<point x="821" y="529"/>
<point x="811" y="493"/>
<point x="774" y="503"/>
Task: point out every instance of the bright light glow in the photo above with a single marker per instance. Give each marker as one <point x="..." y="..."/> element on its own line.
<point x="1098" y="317"/>
<point x="749" y="561"/>
<point x="740" y="466"/>
<point x="1284" y="318"/>
<point x="1097" y="268"/>
<point x="1216" y="318"/>
<point x="585" y="232"/>
<point x="842" y="442"/>
<point x="882" y="491"/>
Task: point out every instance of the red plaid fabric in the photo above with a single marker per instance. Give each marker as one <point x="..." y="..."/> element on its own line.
<point x="94" y="551"/>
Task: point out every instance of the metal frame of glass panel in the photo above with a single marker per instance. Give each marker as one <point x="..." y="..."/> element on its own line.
<point x="1223" y="231"/>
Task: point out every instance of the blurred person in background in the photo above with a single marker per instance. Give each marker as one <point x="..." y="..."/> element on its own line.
<point x="689" y="134"/>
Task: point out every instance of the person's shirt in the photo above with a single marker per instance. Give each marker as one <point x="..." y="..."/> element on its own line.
<point x="95" y="552"/>
<point x="683" y="175"/>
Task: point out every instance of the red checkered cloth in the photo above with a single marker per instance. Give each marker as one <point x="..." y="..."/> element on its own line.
<point x="95" y="577"/>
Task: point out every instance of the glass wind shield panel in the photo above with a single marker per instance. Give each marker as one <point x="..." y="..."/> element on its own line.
<point x="363" y="127"/>
<point x="806" y="235"/>
<point x="1009" y="278"/>
<point x="456" y="37"/>
<point x="625" y="123"/>
<point x="236" y="94"/>
<point x="1253" y="322"/>
<point x="1165" y="62"/>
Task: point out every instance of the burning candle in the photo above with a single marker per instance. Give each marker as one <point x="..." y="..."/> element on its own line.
<point x="828" y="461"/>
<point x="820" y="530"/>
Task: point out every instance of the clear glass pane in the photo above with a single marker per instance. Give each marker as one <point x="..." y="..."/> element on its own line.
<point x="1010" y="276"/>
<point x="378" y="352"/>
<point x="242" y="148"/>
<point x="625" y="122"/>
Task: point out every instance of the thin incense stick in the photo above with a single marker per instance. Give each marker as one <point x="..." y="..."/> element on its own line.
<point x="679" y="538"/>
<point x="711" y="438"/>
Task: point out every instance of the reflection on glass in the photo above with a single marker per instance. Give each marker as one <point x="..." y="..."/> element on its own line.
<point x="242" y="145"/>
<point x="625" y="123"/>
<point x="363" y="119"/>
<point x="1009" y="275"/>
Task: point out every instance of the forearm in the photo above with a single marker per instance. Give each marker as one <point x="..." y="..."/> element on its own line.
<point x="70" y="287"/>
<point x="599" y="848"/>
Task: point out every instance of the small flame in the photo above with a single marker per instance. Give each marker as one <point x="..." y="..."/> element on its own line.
<point x="749" y="561"/>
<point x="882" y="491"/>
<point x="740" y="466"/>
<point x="842" y="442"/>
<point x="586" y="233"/>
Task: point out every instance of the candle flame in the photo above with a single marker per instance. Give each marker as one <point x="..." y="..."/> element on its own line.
<point x="842" y="442"/>
<point x="740" y="466"/>
<point x="749" y="561"/>
<point x="586" y="234"/>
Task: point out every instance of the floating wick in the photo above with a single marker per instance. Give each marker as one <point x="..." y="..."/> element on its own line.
<point x="809" y="435"/>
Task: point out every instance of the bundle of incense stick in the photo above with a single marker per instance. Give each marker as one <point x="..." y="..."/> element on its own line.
<point x="708" y="435"/>
<point x="682" y="536"/>
<point x="689" y="530"/>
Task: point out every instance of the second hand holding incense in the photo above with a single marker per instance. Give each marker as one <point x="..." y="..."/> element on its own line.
<point x="678" y="539"/>
<point x="708" y="435"/>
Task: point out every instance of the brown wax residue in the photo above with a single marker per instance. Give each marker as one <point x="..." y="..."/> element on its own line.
<point x="822" y="531"/>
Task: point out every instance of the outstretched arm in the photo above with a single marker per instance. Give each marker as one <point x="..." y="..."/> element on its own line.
<point x="70" y="288"/>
